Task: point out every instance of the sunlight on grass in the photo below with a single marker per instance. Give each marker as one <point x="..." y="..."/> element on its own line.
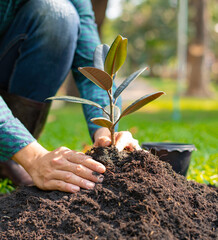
<point x="6" y="186"/>
<point x="166" y="103"/>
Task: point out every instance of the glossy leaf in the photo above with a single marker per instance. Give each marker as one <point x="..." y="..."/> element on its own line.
<point x="140" y="103"/>
<point x="100" y="55"/>
<point x="107" y="109"/>
<point x="126" y="82"/>
<point x="120" y="55"/>
<point x="116" y="112"/>
<point x="75" y="100"/>
<point x="103" y="122"/>
<point x="116" y="55"/>
<point x="97" y="76"/>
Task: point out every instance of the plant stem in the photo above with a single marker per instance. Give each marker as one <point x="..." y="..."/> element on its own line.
<point x="112" y="118"/>
<point x="105" y="112"/>
<point x="112" y="136"/>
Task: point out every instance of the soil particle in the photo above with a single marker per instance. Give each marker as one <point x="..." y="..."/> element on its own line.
<point x="141" y="197"/>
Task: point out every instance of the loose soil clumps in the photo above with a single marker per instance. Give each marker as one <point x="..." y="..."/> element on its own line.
<point x="141" y="197"/>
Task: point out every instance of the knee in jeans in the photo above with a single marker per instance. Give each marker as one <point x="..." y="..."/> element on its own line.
<point x="57" y="19"/>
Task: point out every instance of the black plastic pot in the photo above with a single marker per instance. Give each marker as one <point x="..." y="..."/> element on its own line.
<point x="178" y="155"/>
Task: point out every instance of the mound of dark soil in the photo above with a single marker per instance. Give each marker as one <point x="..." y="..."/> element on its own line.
<point x="140" y="198"/>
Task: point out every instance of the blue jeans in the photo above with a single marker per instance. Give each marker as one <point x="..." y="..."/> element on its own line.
<point x="35" y="55"/>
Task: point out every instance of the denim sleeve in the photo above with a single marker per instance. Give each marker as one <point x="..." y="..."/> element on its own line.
<point x="87" y="42"/>
<point x="13" y="135"/>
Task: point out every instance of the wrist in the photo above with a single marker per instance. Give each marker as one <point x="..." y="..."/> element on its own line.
<point x="28" y="155"/>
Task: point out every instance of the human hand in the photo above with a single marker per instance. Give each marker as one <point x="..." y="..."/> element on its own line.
<point x="62" y="169"/>
<point x="123" y="139"/>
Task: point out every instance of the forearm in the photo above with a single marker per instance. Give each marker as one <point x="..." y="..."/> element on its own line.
<point x="13" y="135"/>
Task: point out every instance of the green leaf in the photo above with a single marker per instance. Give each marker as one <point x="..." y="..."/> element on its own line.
<point x="100" y="55"/>
<point x="75" y="100"/>
<point x="121" y="55"/>
<point x="116" y="112"/>
<point x="140" y="103"/>
<point x="97" y="76"/>
<point x="103" y="122"/>
<point x="116" y="55"/>
<point x="126" y="82"/>
<point x="108" y="110"/>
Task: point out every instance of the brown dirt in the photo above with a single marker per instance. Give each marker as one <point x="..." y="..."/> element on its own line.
<point x="140" y="198"/>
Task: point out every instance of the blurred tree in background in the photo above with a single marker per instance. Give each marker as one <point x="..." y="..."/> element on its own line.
<point x="151" y="28"/>
<point x="198" y="52"/>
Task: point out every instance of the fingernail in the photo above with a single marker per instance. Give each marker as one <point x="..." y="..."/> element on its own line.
<point x="75" y="188"/>
<point x="101" y="168"/>
<point x="99" y="176"/>
<point x="90" y="185"/>
<point x="100" y="179"/>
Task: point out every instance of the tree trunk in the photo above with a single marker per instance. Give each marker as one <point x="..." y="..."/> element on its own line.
<point x="198" y="69"/>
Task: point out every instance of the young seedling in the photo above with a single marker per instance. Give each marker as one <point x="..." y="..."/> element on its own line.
<point x="107" y="61"/>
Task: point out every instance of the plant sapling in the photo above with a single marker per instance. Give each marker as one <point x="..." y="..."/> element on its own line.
<point x="107" y="61"/>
